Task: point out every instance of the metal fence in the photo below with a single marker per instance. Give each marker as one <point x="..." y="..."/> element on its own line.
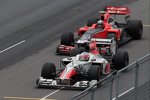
<point x="129" y="83"/>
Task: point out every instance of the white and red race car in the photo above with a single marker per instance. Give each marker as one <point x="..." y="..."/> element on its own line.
<point x="85" y="69"/>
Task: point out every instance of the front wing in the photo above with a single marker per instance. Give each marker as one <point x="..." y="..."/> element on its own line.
<point x="50" y="83"/>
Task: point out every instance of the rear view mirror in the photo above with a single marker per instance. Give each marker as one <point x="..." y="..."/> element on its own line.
<point x="93" y="59"/>
<point x="69" y="58"/>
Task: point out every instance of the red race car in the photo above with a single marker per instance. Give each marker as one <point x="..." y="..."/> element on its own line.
<point x="104" y="27"/>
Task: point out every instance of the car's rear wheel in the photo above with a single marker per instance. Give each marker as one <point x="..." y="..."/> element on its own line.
<point x="48" y="71"/>
<point x="67" y="39"/>
<point x="121" y="60"/>
<point x="135" y="29"/>
<point x="92" y="21"/>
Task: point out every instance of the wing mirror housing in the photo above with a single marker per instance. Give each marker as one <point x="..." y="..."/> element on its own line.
<point x="69" y="58"/>
<point x="93" y="59"/>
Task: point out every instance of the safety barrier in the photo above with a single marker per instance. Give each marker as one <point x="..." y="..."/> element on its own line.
<point x="115" y="87"/>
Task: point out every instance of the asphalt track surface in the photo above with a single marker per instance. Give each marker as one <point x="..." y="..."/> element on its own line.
<point x="30" y="32"/>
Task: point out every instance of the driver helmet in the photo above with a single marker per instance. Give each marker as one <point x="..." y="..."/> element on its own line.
<point x="100" y="24"/>
<point x="84" y="57"/>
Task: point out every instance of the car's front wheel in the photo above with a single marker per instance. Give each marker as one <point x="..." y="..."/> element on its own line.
<point x="48" y="71"/>
<point x="94" y="73"/>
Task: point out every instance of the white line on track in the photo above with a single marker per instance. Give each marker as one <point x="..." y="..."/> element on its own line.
<point x="23" y="98"/>
<point x="12" y="46"/>
<point x="44" y="98"/>
<point x="124" y="93"/>
<point x="146" y="25"/>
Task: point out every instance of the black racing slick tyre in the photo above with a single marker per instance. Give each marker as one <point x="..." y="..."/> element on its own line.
<point x="94" y="73"/>
<point x="135" y="29"/>
<point x="48" y="71"/>
<point x="76" y="51"/>
<point x="67" y="39"/>
<point x="121" y="60"/>
<point x="92" y="21"/>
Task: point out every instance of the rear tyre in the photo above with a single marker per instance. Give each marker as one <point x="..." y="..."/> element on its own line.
<point x="48" y="71"/>
<point x="76" y="51"/>
<point x="67" y="39"/>
<point x="135" y="29"/>
<point x="121" y="60"/>
<point x="92" y="21"/>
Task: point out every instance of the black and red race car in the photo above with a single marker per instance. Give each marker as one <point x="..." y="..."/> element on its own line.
<point x="104" y="27"/>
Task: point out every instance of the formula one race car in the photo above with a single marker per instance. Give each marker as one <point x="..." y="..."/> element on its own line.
<point x="104" y="27"/>
<point x="82" y="70"/>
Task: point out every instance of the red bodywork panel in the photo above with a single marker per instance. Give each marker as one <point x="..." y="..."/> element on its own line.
<point x="68" y="74"/>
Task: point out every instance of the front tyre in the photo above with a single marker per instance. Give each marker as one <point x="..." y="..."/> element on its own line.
<point x="94" y="73"/>
<point x="48" y="71"/>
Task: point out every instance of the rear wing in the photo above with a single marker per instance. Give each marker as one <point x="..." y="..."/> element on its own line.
<point x="117" y="10"/>
<point x="98" y="41"/>
<point x="103" y="41"/>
